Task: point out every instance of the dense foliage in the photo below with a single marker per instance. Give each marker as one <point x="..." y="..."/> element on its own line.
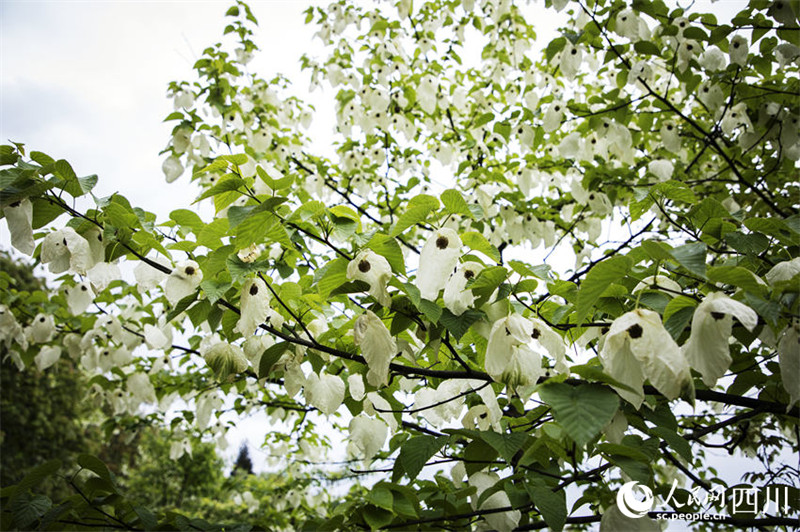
<point x="522" y="276"/>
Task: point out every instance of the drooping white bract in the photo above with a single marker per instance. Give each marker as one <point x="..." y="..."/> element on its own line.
<point x="789" y="360"/>
<point x="141" y="388"/>
<point x="367" y="436"/>
<point x="509" y="358"/>
<point x="255" y="346"/>
<point x="553" y="116"/>
<point x="254" y="306"/>
<point x="458" y="298"/>
<point x="172" y="168"/>
<point x="637" y="347"/>
<point x="437" y="260"/>
<point x="41" y="329"/>
<point x="783" y="271"/>
<point x="103" y="274"/>
<point x="19" y="216"/>
<point x="66" y="250"/>
<point x="376" y="405"/>
<point x="374" y="270"/>
<point x="47" y="356"/>
<point x="148" y="277"/>
<point x="225" y="359"/>
<point x="11" y="331"/>
<point x="79" y="297"/>
<point x="738" y="49"/>
<point x="356" y="386"/>
<point x="500" y="521"/>
<point x="325" y="392"/>
<point x="183" y="280"/>
<point x="708" y="350"/>
<point x="661" y="168"/>
<point x="659" y="282"/>
<point x="157" y="337"/>
<point x="614" y="521"/>
<point x="439" y="406"/>
<point x="377" y="346"/>
<point x="545" y="339"/>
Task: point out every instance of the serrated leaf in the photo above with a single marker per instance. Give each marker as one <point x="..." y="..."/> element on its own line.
<point x="389" y="249"/>
<point x="506" y="445"/>
<point x="692" y="257"/>
<point x="597" y="280"/>
<point x="552" y="505"/>
<point x="95" y="465"/>
<point x="431" y="310"/>
<point x="674" y="440"/>
<point x="270" y="357"/>
<point x="581" y="410"/>
<point x="416" y="452"/>
<point x="736" y="276"/>
<point x="455" y="203"/>
<point x="331" y="276"/>
<point x="478" y="242"/>
<point x="417" y="212"/>
<point x="459" y="325"/>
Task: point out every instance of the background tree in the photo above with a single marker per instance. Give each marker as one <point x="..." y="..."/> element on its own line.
<point x="546" y="274"/>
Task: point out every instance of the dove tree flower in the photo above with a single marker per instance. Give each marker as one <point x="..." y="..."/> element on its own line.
<point x="708" y="348"/>
<point x="637" y="348"/>
<point x="437" y="260"/>
<point x="183" y="281"/>
<point x="374" y="270"/>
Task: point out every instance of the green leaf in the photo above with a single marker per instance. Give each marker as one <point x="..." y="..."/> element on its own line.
<point x="478" y="242"/>
<point x="331" y="276"/>
<point x="36" y="476"/>
<point x="95" y="465"/>
<point x="187" y="218"/>
<point x="485" y="118"/>
<point x="416" y="452"/>
<point x="506" y="445"/>
<point x="270" y="357"/>
<point x="181" y="305"/>
<point x="388" y="248"/>
<point x="647" y="48"/>
<point x="431" y="310"/>
<point x="552" y="505"/>
<point x="417" y="212"/>
<point x="581" y="410"/>
<point x="692" y="257"/>
<point x="455" y="203"/>
<point x="228" y="183"/>
<point x="736" y="276"/>
<point x="597" y="280"/>
<point x="381" y="497"/>
<point x="674" y="440"/>
<point x="459" y="325"/>
<point x="751" y="244"/>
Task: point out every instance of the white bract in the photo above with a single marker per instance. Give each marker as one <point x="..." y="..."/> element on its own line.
<point x="458" y="298"/>
<point x="500" y="521"/>
<point x="79" y="297"/>
<point x="377" y="346"/>
<point x="374" y="270"/>
<point x="183" y="281"/>
<point x="254" y="306"/>
<point x="783" y="271"/>
<point x="172" y="168"/>
<point x="637" y="347"/>
<point x="437" y="260"/>
<point x="367" y="436"/>
<point x="47" y="356"/>
<point x="325" y="392"/>
<point x="66" y="250"/>
<point x="19" y="216"/>
<point x="707" y="349"/>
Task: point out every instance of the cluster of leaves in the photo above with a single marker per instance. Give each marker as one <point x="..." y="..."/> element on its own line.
<point x="671" y="132"/>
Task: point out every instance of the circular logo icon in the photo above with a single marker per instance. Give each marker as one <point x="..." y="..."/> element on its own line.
<point x="628" y="502"/>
